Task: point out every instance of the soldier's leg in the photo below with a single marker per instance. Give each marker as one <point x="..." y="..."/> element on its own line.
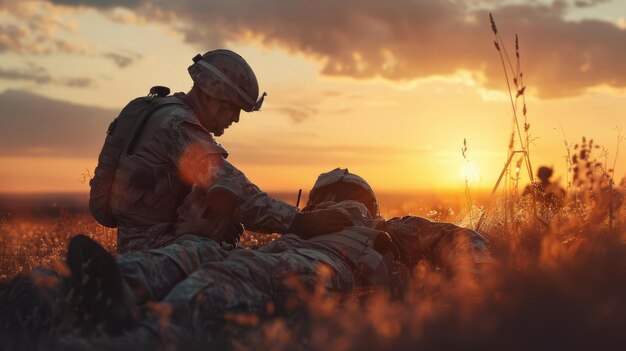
<point x="237" y="288"/>
<point x="306" y="268"/>
<point x="151" y="274"/>
<point x="303" y="276"/>
<point x="256" y="284"/>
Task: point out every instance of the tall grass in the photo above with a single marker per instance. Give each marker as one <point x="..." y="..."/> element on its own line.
<point x="557" y="285"/>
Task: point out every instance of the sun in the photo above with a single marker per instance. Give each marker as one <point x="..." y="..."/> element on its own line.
<point x="470" y="172"/>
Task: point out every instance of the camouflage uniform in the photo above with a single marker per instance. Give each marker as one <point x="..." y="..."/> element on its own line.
<point x="168" y="145"/>
<point x="151" y="274"/>
<point x="414" y="238"/>
<point x="272" y="279"/>
<point x="276" y="277"/>
<point x="204" y="281"/>
<point x="445" y="245"/>
<point x="145" y="196"/>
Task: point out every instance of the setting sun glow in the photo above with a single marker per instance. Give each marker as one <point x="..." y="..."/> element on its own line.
<point x="470" y="172"/>
<point x="366" y="100"/>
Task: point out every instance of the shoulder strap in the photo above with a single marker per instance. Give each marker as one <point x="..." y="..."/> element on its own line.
<point x="152" y="106"/>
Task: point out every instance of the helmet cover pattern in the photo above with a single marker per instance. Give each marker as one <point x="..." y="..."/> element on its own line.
<point x="333" y="180"/>
<point x="224" y="75"/>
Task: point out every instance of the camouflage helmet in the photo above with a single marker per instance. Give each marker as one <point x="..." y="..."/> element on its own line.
<point x="224" y="75"/>
<point x="346" y="186"/>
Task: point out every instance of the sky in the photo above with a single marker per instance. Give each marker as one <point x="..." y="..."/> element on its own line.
<point x="389" y="90"/>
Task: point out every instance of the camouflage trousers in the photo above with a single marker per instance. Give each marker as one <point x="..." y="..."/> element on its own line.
<point x="274" y="279"/>
<point x="153" y="273"/>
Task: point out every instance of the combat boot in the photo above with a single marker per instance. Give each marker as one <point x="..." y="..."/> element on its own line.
<point x="101" y="298"/>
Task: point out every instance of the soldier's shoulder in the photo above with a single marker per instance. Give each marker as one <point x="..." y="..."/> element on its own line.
<point x="408" y="220"/>
<point x="176" y="115"/>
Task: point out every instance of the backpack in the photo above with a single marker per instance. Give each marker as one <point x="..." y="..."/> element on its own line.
<point x="120" y="138"/>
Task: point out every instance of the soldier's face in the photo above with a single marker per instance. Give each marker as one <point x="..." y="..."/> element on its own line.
<point x="222" y="114"/>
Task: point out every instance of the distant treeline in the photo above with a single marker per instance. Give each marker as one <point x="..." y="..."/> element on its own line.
<point x="426" y="203"/>
<point x="42" y="204"/>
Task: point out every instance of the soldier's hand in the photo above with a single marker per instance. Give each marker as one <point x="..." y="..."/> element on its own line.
<point x="311" y="223"/>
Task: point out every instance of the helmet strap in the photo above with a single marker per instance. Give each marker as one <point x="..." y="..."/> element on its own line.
<point x="228" y="81"/>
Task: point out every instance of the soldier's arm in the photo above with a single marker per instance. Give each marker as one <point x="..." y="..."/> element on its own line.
<point x="201" y="160"/>
<point x="232" y="193"/>
<point x="447" y="245"/>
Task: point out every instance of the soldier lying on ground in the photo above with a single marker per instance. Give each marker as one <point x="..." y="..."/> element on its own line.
<point x="261" y="281"/>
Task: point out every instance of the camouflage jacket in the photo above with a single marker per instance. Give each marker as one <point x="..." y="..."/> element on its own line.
<point x="173" y="148"/>
<point x="445" y="245"/>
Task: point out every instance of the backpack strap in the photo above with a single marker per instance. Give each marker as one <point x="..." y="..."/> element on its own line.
<point x="153" y="105"/>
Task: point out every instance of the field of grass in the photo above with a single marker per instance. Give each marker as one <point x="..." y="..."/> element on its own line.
<point x="559" y="283"/>
<point x="35" y="229"/>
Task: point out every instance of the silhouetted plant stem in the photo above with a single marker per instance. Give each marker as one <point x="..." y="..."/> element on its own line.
<point x="520" y="89"/>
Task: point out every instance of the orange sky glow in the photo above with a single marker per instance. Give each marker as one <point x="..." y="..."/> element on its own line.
<point x="387" y="89"/>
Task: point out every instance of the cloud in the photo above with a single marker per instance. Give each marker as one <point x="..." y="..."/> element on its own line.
<point x="18" y="39"/>
<point x="296" y="113"/>
<point x="34" y="73"/>
<point x="32" y="27"/>
<point x="33" y="125"/>
<point x="342" y="95"/>
<point x="101" y="3"/>
<point x="588" y="3"/>
<point x="299" y="112"/>
<point x="80" y="82"/>
<point x="121" y="60"/>
<point x="40" y="75"/>
<point x="412" y="39"/>
<point x="12" y="37"/>
<point x="125" y="16"/>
